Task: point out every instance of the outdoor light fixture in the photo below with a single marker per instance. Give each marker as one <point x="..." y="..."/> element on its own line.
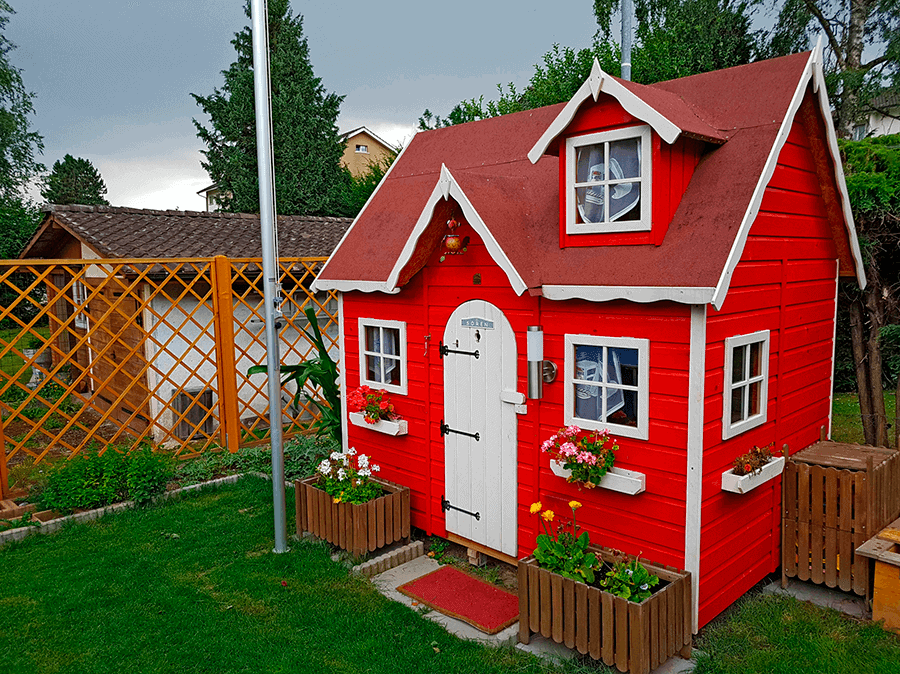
<point x="535" y="337"/>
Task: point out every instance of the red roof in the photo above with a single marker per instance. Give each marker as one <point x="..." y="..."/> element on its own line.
<point x="739" y="110"/>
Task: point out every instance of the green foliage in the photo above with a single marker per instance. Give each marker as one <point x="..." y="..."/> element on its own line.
<point x="361" y="186"/>
<point x="564" y="552"/>
<point x="346" y="477"/>
<point x="18" y="143"/>
<point x="629" y="579"/>
<point x="872" y="171"/>
<point x="322" y="373"/>
<point x="18" y="221"/>
<point x="93" y="480"/>
<point x="309" y="179"/>
<point x="74" y="181"/>
<point x="26" y="520"/>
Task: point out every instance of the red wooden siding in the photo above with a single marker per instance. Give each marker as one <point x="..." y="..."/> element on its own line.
<point x="784" y="282"/>
<point x="673" y="166"/>
<point x="651" y="523"/>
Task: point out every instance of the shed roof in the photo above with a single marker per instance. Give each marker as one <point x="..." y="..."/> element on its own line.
<point x="745" y="113"/>
<point x="115" y="232"/>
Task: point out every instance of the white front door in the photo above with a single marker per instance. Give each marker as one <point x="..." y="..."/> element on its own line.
<point x="479" y="426"/>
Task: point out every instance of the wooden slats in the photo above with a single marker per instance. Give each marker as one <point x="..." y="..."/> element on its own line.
<point x="635" y="637"/>
<point x="834" y="496"/>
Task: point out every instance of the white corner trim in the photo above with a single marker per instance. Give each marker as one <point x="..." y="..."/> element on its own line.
<point x="642" y="294"/>
<point x="597" y="82"/>
<point x="812" y="72"/>
<point x="315" y="284"/>
<point x="837" y="285"/>
<point x="342" y="369"/>
<point x="447" y="185"/>
<point x="694" y="497"/>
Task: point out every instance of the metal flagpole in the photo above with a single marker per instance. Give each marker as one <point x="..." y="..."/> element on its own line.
<point x="259" y="18"/>
<point x="627" y="12"/>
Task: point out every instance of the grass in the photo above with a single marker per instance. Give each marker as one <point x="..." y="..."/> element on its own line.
<point x="192" y="586"/>
<point x="846" y="423"/>
<point x="11" y="363"/>
<point x="765" y="634"/>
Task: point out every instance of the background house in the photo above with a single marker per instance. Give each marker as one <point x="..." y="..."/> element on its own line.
<point x="678" y="246"/>
<point x="882" y="116"/>
<point x="152" y="348"/>
<point x="362" y="148"/>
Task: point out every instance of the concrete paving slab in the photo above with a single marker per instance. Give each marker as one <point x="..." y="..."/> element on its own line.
<point x="388" y="582"/>
<point x="820" y="595"/>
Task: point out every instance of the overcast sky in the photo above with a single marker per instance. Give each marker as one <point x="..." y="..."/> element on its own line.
<point x="113" y="78"/>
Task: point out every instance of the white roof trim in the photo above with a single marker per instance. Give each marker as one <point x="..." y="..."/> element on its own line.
<point x="362" y="286"/>
<point x="597" y="82"/>
<point x="642" y="294"/>
<point x="445" y="188"/>
<point x="812" y="71"/>
<point x="316" y="285"/>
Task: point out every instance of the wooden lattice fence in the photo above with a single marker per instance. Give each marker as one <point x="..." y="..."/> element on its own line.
<point x="115" y="353"/>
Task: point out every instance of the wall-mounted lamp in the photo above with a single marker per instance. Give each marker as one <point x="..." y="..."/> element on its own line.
<point x="535" y="342"/>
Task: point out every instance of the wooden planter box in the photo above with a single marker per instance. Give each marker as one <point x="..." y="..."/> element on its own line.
<point x="356" y="528"/>
<point x="835" y="497"/>
<point x="632" y="637"/>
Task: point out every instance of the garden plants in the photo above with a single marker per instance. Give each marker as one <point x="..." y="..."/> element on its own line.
<point x="373" y="403"/>
<point x="588" y="455"/>
<point x="345" y="476"/>
<point x="753" y="461"/>
<point x="566" y="551"/>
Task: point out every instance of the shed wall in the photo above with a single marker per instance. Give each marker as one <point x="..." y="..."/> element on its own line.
<point x="785" y="282"/>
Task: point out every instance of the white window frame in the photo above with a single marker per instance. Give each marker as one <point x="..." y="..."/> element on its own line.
<point x="729" y="429"/>
<point x="363" y="370"/>
<point x="646" y="182"/>
<point x="362" y="149"/>
<point x="641" y="431"/>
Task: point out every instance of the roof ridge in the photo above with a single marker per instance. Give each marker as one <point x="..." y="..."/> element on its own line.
<point x="82" y="208"/>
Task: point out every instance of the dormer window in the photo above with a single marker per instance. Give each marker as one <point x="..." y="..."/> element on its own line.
<point x="362" y="149"/>
<point x="608" y="179"/>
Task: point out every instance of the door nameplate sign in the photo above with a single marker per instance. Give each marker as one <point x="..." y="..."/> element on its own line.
<point x="481" y="323"/>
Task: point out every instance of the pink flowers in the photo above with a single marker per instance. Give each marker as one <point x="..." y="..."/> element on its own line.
<point x="374" y="403"/>
<point x="585" y="454"/>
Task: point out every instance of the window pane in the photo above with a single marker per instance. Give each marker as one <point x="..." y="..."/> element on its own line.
<point x="590" y="203"/>
<point x="391" y="371"/>
<point x="755" y="359"/>
<point x="737" y="404"/>
<point x="588" y="403"/>
<point x="626" y="414"/>
<point x="755" y="402"/>
<point x="623" y="366"/>
<point x="373" y="368"/>
<point x="589" y="363"/>
<point x="624" y="201"/>
<point x="391" y="344"/>
<point x="738" y="364"/>
<point x="373" y="343"/>
<point x="589" y="162"/>
<point x="625" y="158"/>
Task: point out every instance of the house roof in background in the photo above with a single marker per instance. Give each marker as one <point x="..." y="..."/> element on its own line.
<point x="888" y="98"/>
<point x="360" y="129"/>
<point x="115" y="232"/>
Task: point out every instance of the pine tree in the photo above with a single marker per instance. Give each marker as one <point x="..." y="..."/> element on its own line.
<point x="74" y="181"/>
<point x="307" y="146"/>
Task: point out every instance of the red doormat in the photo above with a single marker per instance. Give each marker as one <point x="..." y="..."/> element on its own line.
<point x="461" y="596"/>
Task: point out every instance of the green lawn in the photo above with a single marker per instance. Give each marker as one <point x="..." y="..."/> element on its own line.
<point x="11" y="363"/>
<point x="192" y="586"/>
<point x="846" y="424"/>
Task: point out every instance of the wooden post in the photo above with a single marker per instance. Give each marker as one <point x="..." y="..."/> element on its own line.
<point x="226" y="373"/>
<point x="4" y="475"/>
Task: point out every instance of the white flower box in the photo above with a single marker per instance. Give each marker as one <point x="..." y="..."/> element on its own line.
<point x="616" y="479"/>
<point x="398" y="427"/>
<point x="741" y="484"/>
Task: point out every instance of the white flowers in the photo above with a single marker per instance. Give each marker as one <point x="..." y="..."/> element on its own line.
<point x="341" y="474"/>
<point x="363" y="461"/>
<point x="325" y="467"/>
<point x="346" y="470"/>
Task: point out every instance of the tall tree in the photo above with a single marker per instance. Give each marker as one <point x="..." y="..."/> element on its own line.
<point x="862" y="38"/>
<point x="309" y="179"/>
<point x="74" y="181"/>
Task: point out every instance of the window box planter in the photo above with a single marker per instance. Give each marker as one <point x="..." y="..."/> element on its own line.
<point x="616" y="479"/>
<point x="741" y="484"/>
<point x="632" y="637"/>
<point x="356" y="528"/>
<point x="399" y="427"/>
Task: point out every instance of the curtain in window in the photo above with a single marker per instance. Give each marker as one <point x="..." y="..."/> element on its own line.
<point x="589" y="367"/>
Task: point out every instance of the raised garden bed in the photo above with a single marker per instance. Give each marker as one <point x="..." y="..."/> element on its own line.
<point x="356" y="528"/>
<point x="635" y="637"/>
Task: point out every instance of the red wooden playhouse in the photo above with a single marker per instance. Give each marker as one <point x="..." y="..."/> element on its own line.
<point x="679" y="246"/>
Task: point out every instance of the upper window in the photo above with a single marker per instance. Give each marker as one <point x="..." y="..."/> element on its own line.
<point x="362" y="148"/>
<point x="382" y="354"/>
<point x="746" y="383"/>
<point x="608" y="181"/>
<point x="607" y="384"/>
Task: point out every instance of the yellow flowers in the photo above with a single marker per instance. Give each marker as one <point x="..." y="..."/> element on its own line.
<point x="548" y="515"/>
<point x="536" y="508"/>
<point x="574" y="505"/>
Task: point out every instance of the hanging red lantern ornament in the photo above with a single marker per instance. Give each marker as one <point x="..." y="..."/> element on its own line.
<point x="453" y="243"/>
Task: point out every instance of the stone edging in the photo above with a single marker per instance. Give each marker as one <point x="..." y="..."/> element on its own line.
<point x="54" y="525"/>
<point x="391" y="559"/>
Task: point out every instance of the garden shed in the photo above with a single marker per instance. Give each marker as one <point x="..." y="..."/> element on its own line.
<point x="671" y="253"/>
